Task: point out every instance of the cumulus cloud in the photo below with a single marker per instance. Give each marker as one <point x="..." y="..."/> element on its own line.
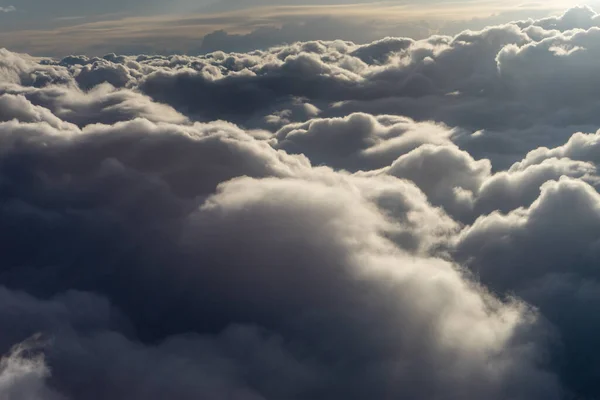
<point x="491" y="82"/>
<point x="300" y="265"/>
<point x="546" y="254"/>
<point x="398" y="219"/>
<point x="359" y="141"/>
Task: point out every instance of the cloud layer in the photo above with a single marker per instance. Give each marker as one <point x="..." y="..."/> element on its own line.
<point x="199" y="26"/>
<point x="406" y="218"/>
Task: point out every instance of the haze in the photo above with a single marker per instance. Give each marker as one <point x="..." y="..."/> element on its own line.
<point x="132" y="26"/>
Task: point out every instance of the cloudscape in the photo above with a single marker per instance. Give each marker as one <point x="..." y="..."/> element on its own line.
<point x="273" y="215"/>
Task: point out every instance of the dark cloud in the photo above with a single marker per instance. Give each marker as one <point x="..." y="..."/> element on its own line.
<point x="122" y="211"/>
<point x="546" y="254"/>
<point x="492" y="81"/>
<point x="319" y="220"/>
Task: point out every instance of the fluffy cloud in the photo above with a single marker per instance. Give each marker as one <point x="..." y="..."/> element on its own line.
<point x="399" y="219"/>
<point x="358" y="141"/>
<point x="547" y="254"/>
<point x="295" y="273"/>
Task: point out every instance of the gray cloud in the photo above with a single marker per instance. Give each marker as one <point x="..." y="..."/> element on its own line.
<point x="464" y="81"/>
<point x="545" y="254"/>
<point x="318" y="220"/>
<point x="150" y="26"/>
<point x="130" y="192"/>
<point x="314" y="28"/>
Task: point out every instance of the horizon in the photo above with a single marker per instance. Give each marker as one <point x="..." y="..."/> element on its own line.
<point x="93" y="31"/>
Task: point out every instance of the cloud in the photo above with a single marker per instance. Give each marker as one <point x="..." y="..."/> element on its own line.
<point x="150" y="26"/>
<point x="23" y="374"/>
<point x="316" y="220"/>
<point x="358" y="141"/>
<point x="314" y="28"/>
<point x="545" y="254"/>
<point x="302" y="243"/>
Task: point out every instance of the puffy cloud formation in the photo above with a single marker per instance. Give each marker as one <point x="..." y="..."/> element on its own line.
<point x="407" y="218"/>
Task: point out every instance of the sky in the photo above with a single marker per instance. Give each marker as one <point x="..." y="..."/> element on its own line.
<point x="299" y="202"/>
<point x="63" y="27"/>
